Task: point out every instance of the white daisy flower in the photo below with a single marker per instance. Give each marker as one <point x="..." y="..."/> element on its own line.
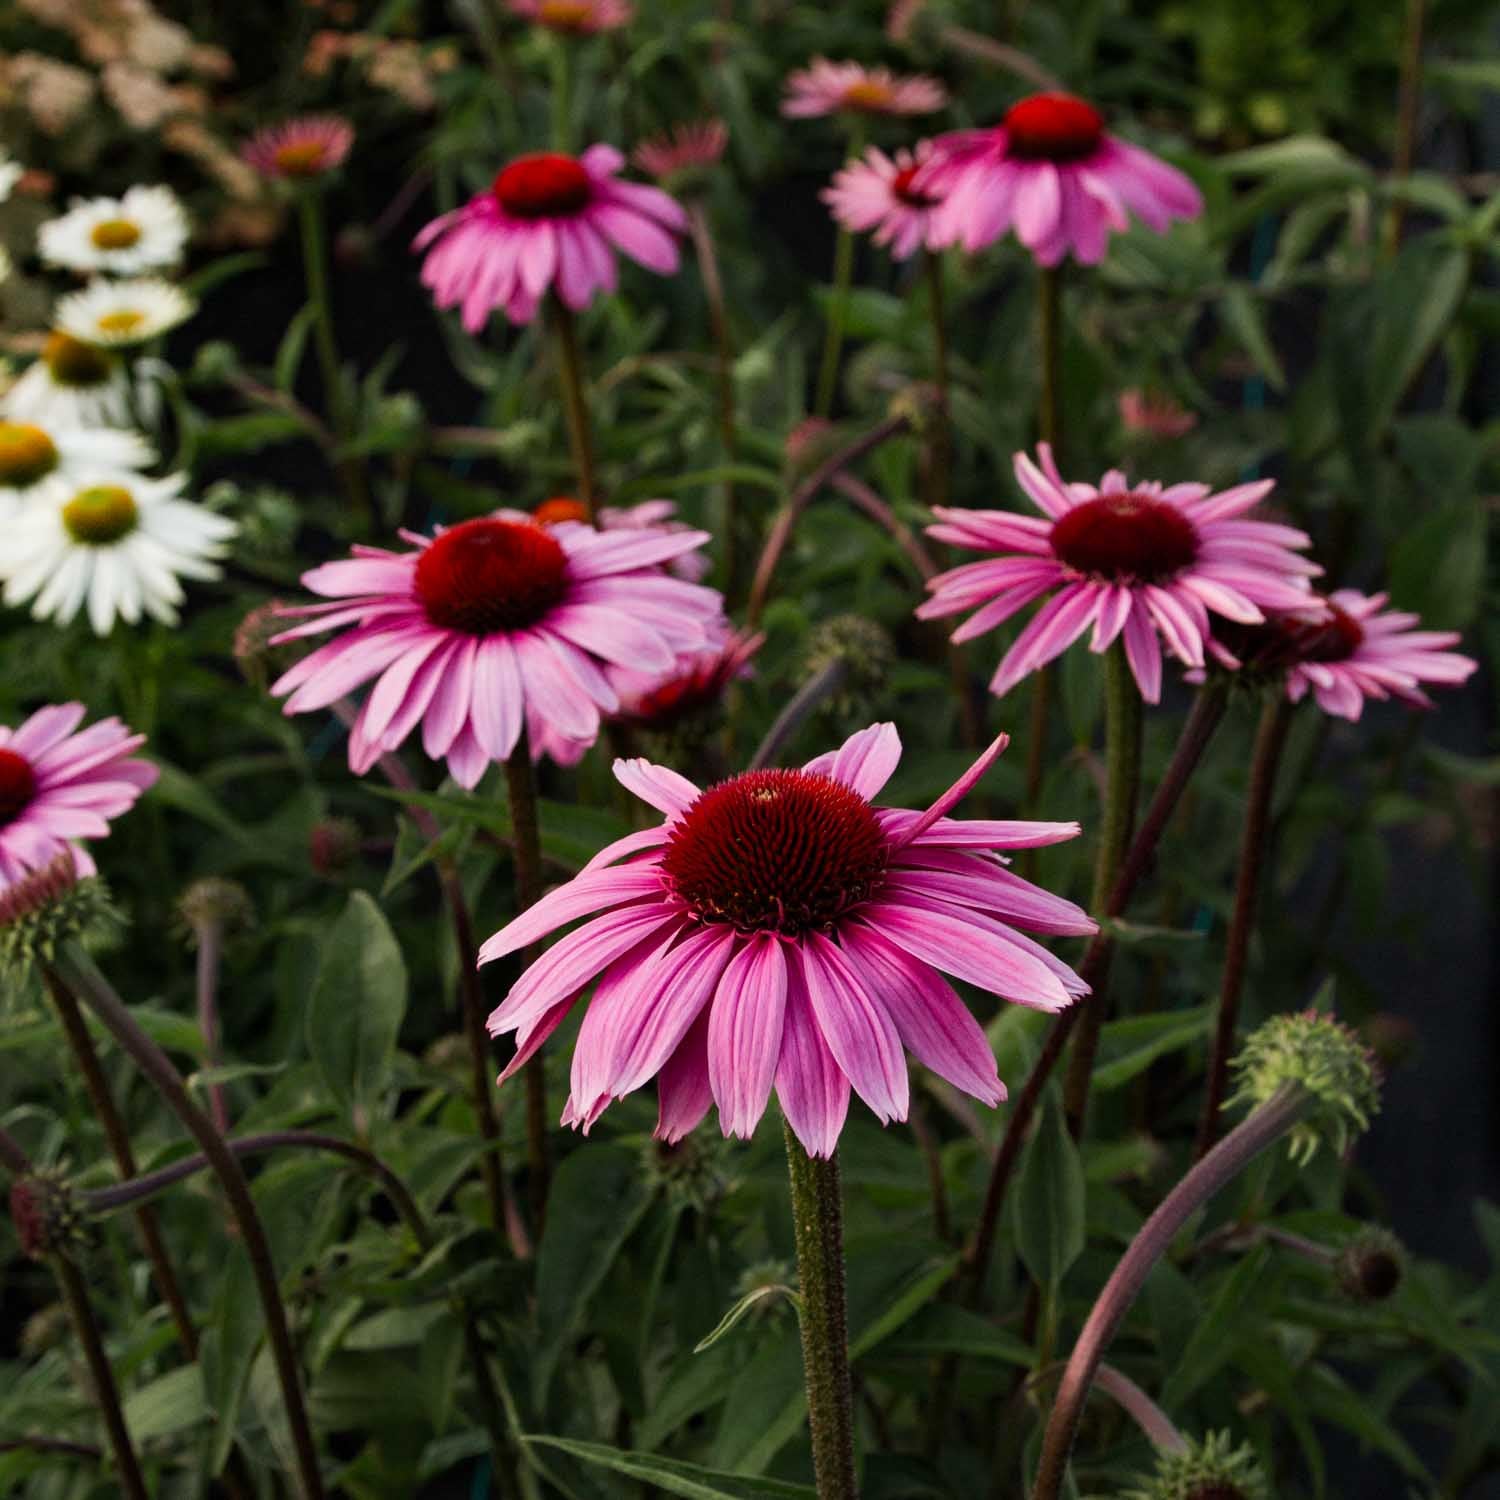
<point x="72" y="384"/>
<point x="145" y="230"/>
<point x="11" y="172"/>
<point x="31" y="454"/>
<point x="117" y="544"/>
<point x="117" y="314"/>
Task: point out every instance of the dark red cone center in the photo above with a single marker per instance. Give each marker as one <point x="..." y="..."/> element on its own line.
<point x="776" y="851"/>
<point x="543" y="185"/>
<point x="485" y="576"/>
<point x="17" y="785"/>
<point x="1337" y="639"/>
<point x="1125" y="538"/>
<point x="903" y="190"/>
<point x="1053" y="127"/>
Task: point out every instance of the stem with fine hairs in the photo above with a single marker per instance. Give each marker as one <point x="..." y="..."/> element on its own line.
<point x="77" y="973"/>
<point x="117" y="1137"/>
<point x="1408" y="103"/>
<point x="575" y="406"/>
<point x="75" y="1296"/>
<point x="1204" y="1179"/>
<point x="520" y="790"/>
<point x="1265" y="761"/>
<point x="1140" y="1408"/>
<point x="786" y="522"/>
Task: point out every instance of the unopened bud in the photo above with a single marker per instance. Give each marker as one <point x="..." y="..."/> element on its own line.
<point x="1371" y="1265"/>
<point x="47" y="908"/>
<point x="46" y="1215"/>
<point x="217" y="903"/>
<point x="333" y="845"/>
<point x="256" y="657"/>
<point x="868" y="654"/>
<point x="811" y="441"/>
<point x="1214" y="1469"/>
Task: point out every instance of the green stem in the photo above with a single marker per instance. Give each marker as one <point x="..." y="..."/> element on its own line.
<point x="838" y="313"/>
<point x="1122" y="752"/>
<point x="1049" y="310"/>
<point x="1409" y="101"/>
<point x="75" y="1297"/>
<point x="718" y="317"/>
<point x="315" y="269"/>
<point x="77" y="971"/>
<point x="520" y="788"/>
<point x="940" y="449"/>
<point x="817" y="1215"/>
<point x="575" y="407"/>
<point x="562" y="94"/>
<point x="1270" y="739"/>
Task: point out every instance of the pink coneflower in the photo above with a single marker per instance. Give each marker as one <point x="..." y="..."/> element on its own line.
<point x="548" y="221"/>
<point x="1359" y="650"/>
<point x="57" y="786"/>
<point x="682" y="151"/>
<point x="692" y="687"/>
<point x="1051" y="172"/>
<point x="879" y="192"/>
<point x="574" y="17"/>
<point x="305" y="147"/>
<point x="1155" y="414"/>
<point x="779" y="931"/>
<point x="491" y="626"/>
<point x="647" y="515"/>
<point x="1144" y="563"/>
<point x="830" y="88"/>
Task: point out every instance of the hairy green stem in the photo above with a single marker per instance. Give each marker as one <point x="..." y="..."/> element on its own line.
<point x="77" y="972"/>
<point x="1221" y="1166"/>
<point x="1270" y="740"/>
<point x="817" y="1215"/>
<point x="1409" y="99"/>
<point x="575" y="405"/>
<point x="75" y="1296"/>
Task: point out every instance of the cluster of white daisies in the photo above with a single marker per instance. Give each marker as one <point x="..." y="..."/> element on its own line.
<point x="84" y="527"/>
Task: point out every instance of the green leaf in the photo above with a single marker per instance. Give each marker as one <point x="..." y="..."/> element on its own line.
<point x="168" y="1404"/>
<point x="231" y="436"/>
<point x="357" y="1002"/>
<point x="746" y="1304"/>
<point x="230" y="1340"/>
<point x="676" y="1477"/>
<point x="1417" y="303"/>
<point x="1245" y="318"/>
<point x="293" y="343"/>
<point x="598" y="1196"/>
<point x="1234" y="1315"/>
<point x="1128" y="1047"/>
<point x="1437" y="568"/>
<point x="1049" y="1200"/>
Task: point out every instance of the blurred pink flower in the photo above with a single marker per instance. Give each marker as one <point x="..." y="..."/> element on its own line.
<point x="684" y="148"/>
<point x="574" y="17"/>
<point x="1155" y="414"/>
<point x="695" y="684"/>
<point x="549" y="221"/>
<point x="778" y="931"/>
<point x="57" y="786"/>
<point x="1051" y="172"/>
<point x="647" y="515"/>
<point x="828" y="88"/>
<point x="1143" y="563"/>
<point x="879" y="192"/>
<point x="308" y="146"/>
<point x="492" y="626"/>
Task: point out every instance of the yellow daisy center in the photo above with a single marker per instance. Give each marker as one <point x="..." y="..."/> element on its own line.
<point x="300" y="158"/>
<point x="123" y="321"/>
<point x="115" y="234"/>
<point x="72" y="362"/>
<point x="26" y="454"/>
<point x="100" y="515"/>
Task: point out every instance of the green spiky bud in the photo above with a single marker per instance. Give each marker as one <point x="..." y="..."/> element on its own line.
<point x="214" y="903"/>
<point x="1371" y="1265"/>
<point x="1323" y="1057"/>
<point x="690" y="1170"/>
<point x="1213" y="1469"/>
<point x="867" y="653"/>
<point x="49" y="907"/>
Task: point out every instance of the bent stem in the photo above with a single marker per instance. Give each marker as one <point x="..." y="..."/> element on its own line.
<point x="1204" y="719"/>
<point x="77" y="972"/>
<point x="1221" y="1166"/>
<point x="1122" y="751"/>
<point x="1140" y="1408"/>
<point x="575" y="407"/>
<point x="75" y="1298"/>
<point x="118" y="1139"/>
<point x="817" y="1216"/>
<point x="520" y="789"/>
<point x="1270" y="740"/>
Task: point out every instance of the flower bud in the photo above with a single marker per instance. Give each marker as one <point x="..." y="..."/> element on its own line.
<point x="46" y="1215"/>
<point x="47" y="908"/>
<point x="256" y="657"/>
<point x="811" y="441"/>
<point x="1213" y="1469"/>
<point x="333" y="845"/>
<point x="215" y="903"/>
<point x="868" y="655"/>
<point x="1323" y="1057"/>
<point x="691" y="1170"/>
<point x="1371" y="1265"/>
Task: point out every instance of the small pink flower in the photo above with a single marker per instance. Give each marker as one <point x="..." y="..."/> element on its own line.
<point x="305" y="147"/>
<point x="692" y="687"/>
<point x="1051" y="172"/>
<point x="492" y="626"/>
<point x="879" y="192"/>
<point x="828" y="88"/>
<point x="548" y="221"/>
<point x="779" y="931"/>
<point x="1358" y="650"/>
<point x="1155" y="414"/>
<point x="683" y="149"/>
<point x="574" y="17"/>
<point x="1143" y="563"/>
<point x="57" y="786"/>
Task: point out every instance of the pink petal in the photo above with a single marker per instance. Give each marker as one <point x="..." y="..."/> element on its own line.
<point x="744" y="1033"/>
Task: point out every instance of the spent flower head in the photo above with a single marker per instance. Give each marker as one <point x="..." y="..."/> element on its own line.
<point x="214" y="903"/>
<point x="1323" y="1057"/>
<point x="1213" y="1469"/>
<point x="1371" y="1265"/>
<point x="46" y="1214"/>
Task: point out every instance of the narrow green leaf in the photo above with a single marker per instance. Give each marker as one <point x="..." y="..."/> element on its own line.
<point x="293" y="345"/>
<point x="744" y="1306"/>
<point x="1128" y="1047"/>
<point x="1234" y="1315"/>
<point x="1246" y="320"/>
<point x="1049" y="1200"/>
<point x="676" y="1477"/>
<point x="168" y="1404"/>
